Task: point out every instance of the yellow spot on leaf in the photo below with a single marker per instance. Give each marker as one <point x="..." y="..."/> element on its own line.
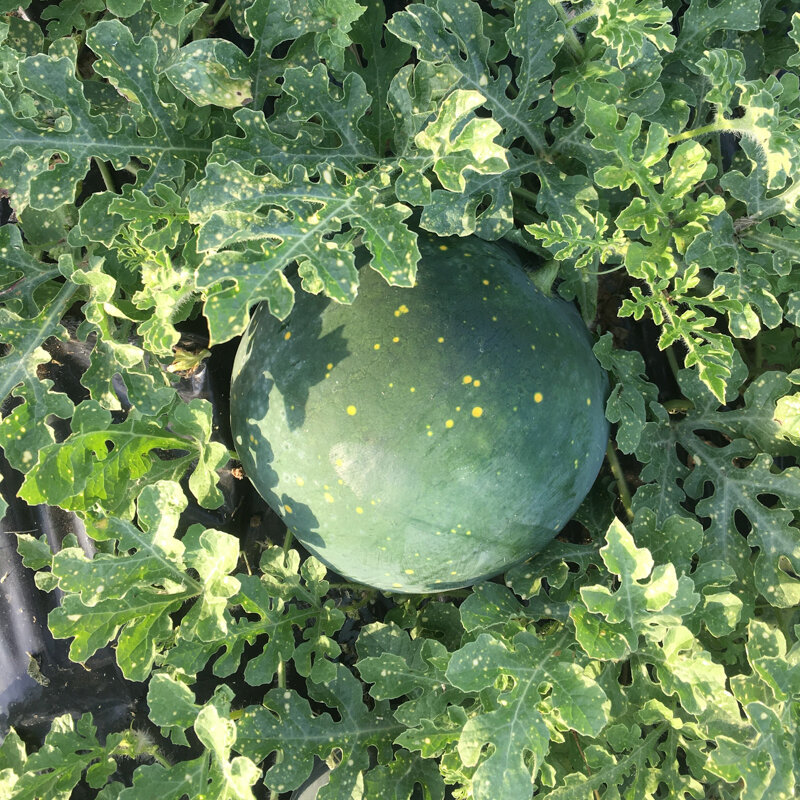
<point x="351" y="410"/>
<point x="477" y="411"/>
<point x="287" y="335"/>
<point x="467" y="379"/>
<point x="449" y="423"/>
<point x="537" y="398"/>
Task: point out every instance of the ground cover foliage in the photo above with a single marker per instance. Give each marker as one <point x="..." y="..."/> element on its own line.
<point x="171" y="160"/>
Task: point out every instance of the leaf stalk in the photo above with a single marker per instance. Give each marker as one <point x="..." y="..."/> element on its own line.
<point x="619" y="477"/>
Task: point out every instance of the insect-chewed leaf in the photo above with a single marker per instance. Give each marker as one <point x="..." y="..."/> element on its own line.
<point x="624" y="27"/>
<point x="211" y="72"/>
<point x="627" y="404"/>
<point x="293" y="221"/>
<point x="69" y="749"/>
<point x="740" y="477"/>
<point x="285" y="723"/>
<point x="21" y="275"/>
<point x="397" y="666"/>
<point x="517" y="725"/>
<point x="215" y="774"/>
<point x="130" y="590"/>
<point x="764" y="765"/>
<point x="452" y="34"/>
<point x="701" y="20"/>
<point x="23" y="433"/>
<point x="57" y="157"/>
<point x="316" y="130"/>
<point x="83" y="470"/>
<point x="637" y="608"/>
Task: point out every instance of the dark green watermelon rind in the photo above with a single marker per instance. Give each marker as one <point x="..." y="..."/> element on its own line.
<point x="398" y="447"/>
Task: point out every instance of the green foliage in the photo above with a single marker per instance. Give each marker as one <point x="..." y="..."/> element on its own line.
<point x="646" y="155"/>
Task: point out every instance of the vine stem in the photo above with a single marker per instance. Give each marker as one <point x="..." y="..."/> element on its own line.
<point x="619" y="477"/>
<point x="105" y="172"/>
<point x="572" y="42"/>
<point x="280" y="679"/>
<point x="223" y="10"/>
<point x="720" y="125"/>
<point x="758" y="355"/>
<point x="588" y="768"/>
<point x="672" y="360"/>
<point x="524" y="194"/>
<point x="160" y="759"/>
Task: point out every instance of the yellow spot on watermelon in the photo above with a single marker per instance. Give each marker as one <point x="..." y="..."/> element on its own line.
<point x="537" y="398"/>
<point x="477" y="411"/>
<point x="351" y="410"/>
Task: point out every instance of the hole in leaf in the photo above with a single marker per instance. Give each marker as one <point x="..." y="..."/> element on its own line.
<point x="742" y="523"/>
<point x="767" y="499"/>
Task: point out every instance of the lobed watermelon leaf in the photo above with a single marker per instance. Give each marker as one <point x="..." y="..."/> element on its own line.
<point x="166" y="166"/>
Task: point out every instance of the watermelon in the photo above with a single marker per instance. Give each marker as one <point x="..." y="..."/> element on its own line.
<point x="425" y="438"/>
